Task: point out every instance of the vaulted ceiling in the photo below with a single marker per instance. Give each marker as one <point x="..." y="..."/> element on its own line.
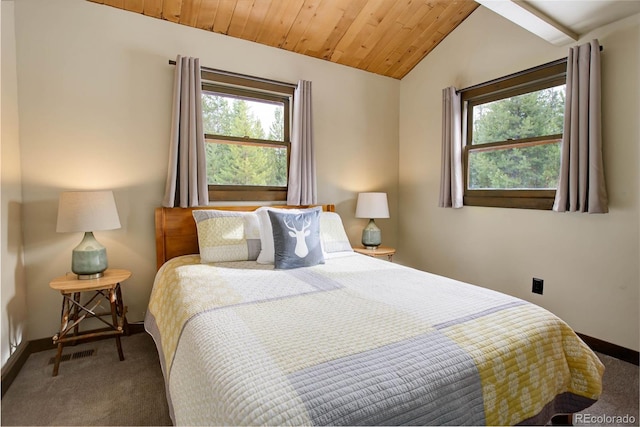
<point x="387" y="37"/>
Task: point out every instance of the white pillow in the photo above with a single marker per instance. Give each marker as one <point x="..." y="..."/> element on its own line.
<point x="332" y="234"/>
<point x="267" y="251"/>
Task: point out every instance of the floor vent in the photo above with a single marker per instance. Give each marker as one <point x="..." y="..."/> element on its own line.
<point x="74" y="356"/>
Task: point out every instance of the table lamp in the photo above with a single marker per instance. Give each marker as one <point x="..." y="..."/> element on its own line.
<point x="87" y="211"/>
<point x="372" y="205"/>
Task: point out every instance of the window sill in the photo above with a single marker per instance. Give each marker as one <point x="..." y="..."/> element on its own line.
<point x="236" y="195"/>
<point x="539" y="203"/>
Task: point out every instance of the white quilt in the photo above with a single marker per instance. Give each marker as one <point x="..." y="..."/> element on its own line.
<point x="358" y="341"/>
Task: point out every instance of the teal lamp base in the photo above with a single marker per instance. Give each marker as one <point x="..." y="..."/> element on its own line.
<point x="89" y="258"/>
<point x="371" y="235"/>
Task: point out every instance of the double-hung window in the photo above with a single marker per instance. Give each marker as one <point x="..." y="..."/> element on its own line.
<point x="513" y="131"/>
<point x="247" y="133"/>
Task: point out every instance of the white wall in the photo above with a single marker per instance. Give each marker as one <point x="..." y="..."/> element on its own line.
<point x="589" y="263"/>
<point x="95" y="94"/>
<point x="14" y="306"/>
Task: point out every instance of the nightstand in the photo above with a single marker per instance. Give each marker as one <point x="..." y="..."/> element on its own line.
<point x="379" y="251"/>
<point x="74" y="311"/>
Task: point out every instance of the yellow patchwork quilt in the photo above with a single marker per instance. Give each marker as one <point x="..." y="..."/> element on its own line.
<point x="358" y="341"/>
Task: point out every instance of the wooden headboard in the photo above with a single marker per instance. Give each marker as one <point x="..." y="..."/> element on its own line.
<point x="176" y="232"/>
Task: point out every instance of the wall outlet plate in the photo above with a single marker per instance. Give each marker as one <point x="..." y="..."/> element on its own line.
<point x="537" y="286"/>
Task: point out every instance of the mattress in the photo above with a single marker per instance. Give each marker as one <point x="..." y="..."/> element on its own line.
<point x="358" y="341"/>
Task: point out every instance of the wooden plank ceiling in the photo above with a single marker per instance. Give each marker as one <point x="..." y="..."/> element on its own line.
<point x="387" y="37"/>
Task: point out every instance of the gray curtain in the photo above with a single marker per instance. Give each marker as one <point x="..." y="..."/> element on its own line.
<point x="451" y="183"/>
<point x="187" y="173"/>
<point x="302" y="169"/>
<point x="581" y="186"/>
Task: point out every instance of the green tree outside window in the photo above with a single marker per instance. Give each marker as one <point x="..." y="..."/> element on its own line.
<point x="527" y="116"/>
<point x="247" y="162"/>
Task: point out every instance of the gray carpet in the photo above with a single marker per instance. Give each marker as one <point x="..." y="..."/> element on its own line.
<point x="91" y="390"/>
<point x="619" y="397"/>
<point x="101" y="390"/>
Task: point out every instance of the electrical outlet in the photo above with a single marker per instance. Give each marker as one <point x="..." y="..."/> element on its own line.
<point x="538" y="285"/>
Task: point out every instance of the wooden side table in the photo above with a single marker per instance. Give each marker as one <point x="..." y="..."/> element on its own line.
<point x="379" y="251"/>
<point x="74" y="311"/>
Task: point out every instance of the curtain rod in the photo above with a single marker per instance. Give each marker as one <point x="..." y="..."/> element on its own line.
<point x="244" y="76"/>
<point x="499" y="79"/>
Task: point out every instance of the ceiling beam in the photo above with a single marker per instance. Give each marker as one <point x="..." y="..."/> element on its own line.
<point x="523" y="14"/>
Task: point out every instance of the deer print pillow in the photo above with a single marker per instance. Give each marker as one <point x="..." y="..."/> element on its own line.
<point x="296" y="239"/>
<point x="266" y="233"/>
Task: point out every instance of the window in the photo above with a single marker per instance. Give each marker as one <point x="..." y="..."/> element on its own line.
<point x="513" y="132"/>
<point x="246" y="124"/>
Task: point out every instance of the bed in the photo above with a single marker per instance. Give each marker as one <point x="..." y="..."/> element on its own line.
<point x="347" y="340"/>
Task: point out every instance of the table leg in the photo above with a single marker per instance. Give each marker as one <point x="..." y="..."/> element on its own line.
<point x="56" y="365"/>
<point x="121" y="310"/>
<point x="64" y="316"/>
<point x="76" y="313"/>
<point x="114" y="316"/>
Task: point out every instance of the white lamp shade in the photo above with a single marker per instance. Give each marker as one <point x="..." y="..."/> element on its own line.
<point x="372" y="205"/>
<point x="87" y="211"/>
